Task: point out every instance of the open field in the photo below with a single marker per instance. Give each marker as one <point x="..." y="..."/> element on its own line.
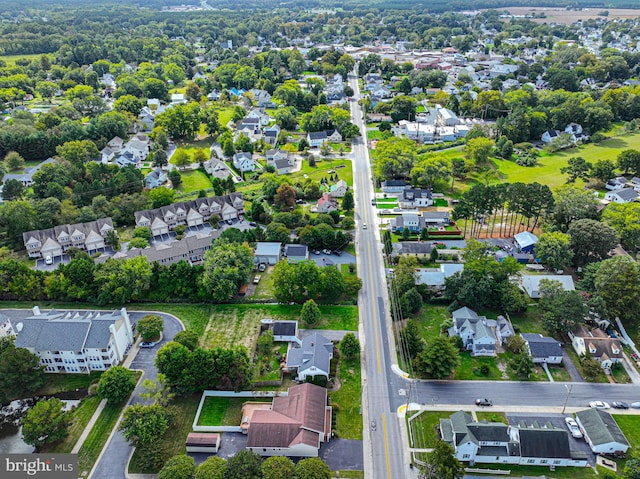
<point x="193" y="181"/>
<point x="235" y="324"/>
<point x="562" y="15"/>
<point x="11" y="59"/>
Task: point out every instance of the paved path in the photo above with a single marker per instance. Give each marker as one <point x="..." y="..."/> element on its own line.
<point x="114" y="458"/>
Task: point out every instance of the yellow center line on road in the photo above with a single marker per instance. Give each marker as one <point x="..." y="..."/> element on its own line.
<point x="375" y="313"/>
<point x="386" y="445"/>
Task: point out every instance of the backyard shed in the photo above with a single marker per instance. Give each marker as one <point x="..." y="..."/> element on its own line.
<point x="203" y="442"/>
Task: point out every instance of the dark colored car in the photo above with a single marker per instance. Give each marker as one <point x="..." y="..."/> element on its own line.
<point x="147" y="344"/>
<point x="252" y="223"/>
<point x="337" y="252"/>
<point x="620" y="405"/>
<point x="484" y="402"/>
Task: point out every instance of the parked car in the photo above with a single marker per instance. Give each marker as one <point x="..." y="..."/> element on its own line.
<point x="484" y="402"/>
<point x="599" y="404"/>
<point x="573" y="427"/>
<point x="620" y="405"/>
<point x="373" y="201"/>
<point x="262" y="267"/>
<point x="48" y="260"/>
<point x="316" y="252"/>
<point x="373" y="425"/>
<point x="256" y="279"/>
<point x="147" y="344"/>
<point x="252" y="223"/>
<point x="337" y="252"/>
<point x="635" y="405"/>
<point x="326" y="251"/>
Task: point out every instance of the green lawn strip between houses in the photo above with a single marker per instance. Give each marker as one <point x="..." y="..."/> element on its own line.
<point x="346" y="401"/>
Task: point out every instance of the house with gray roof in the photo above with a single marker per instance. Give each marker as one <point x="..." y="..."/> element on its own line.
<point x="415" y="222"/>
<point x="499" y="443"/>
<point x="217" y="168"/>
<point x="543" y="349"/>
<point x="56" y="241"/>
<point x="296" y="253"/>
<point x="475" y="331"/>
<point x="26" y="178"/>
<point x="312" y="357"/>
<point x="531" y="283"/>
<point x="156" y="178"/>
<point x="190" y="249"/>
<point x="190" y="213"/>
<point x="601" y="431"/>
<point x="596" y="344"/>
<point x="268" y="252"/>
<point x="414" y="198"/>
<point x="625" y="195"/>
<point x="75" y="342"/>
<point x="417" y="249"/>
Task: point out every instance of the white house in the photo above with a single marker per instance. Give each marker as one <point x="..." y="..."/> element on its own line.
<point x="244" y="162"/>
<point x="261" y="116"/>
<point x="339" y="189"/>
<point x="312" y="357"/>
<point x="268" y="253"/>
<point x="178" y="98"/>
<point x="596" y="344"/>
<point x="601" y="431"/>
<point x="411" y="198"/>
<point x="435" y="277"/>
<point x="616" y="183"/>
<point x="75" y="342"/>
<point x="476" y="334"/>
<point x="499" y="443"/>
<point x="549" y="135"/>
<point x="624" y="195"/>
<point x="531" y="283"/>
<point x="543" y="349"/>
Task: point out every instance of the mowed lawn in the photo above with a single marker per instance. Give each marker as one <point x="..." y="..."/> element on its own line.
<point x="194" y="180"/>
<point x="11" y="59"/>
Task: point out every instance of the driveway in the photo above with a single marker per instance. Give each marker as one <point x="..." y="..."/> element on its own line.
<point x="330" y="334"/>
<point x="558" y="421"/>
<point x="113" y="461"/>
<point x="571" y="367"/>
<point x="342" y="454"/>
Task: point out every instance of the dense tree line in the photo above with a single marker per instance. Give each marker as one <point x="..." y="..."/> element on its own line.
<point x="188" y="371"/>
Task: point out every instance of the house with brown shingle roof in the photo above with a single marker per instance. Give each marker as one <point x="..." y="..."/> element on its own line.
<point x="296" y="424"/>
<point x="596" y="344"/>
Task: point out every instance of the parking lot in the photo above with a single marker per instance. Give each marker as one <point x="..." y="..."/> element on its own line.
<point x="324" y="259"/>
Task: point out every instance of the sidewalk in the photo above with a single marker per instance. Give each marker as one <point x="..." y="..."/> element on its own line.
<point x="89" y="427"/>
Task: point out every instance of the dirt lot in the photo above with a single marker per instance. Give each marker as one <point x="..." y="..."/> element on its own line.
<point x="561" y="15"/>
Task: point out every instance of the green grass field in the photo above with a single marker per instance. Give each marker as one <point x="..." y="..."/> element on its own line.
<point x="348" y="400"/>
<point x="194" y="180"/>
<point x="423" y="428"/>
<point x="11" y="59"/>
<point x="213" y="411"/>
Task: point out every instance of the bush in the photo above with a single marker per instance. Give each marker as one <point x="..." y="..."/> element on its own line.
<point x="318" y="380"/>
<point x="150" y="327"/>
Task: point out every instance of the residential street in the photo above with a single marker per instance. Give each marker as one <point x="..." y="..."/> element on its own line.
<point x="384" y="456"/>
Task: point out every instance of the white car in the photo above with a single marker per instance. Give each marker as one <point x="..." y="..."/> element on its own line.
<point x="573" y="427"/>
<point x="364" y="226"/>
<point x="599" y="404"/>
<point x="48" y="260"/>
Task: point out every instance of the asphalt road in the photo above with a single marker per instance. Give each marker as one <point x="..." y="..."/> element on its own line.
<point x="113" y="461"/>
<point x="383" y="454"/>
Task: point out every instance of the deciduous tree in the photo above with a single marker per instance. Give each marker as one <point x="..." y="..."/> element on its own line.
<point x="438" y="360"/>
<point x="150" y="327"/>
<point x="116" y="384"/>
<point x="554" y="249"/>
<point x="591" y="240"/>
<point x="178" y="467"/>
<point x="45" y="423"/>
<point x="278" y="467"/>
<point x="143" y="425"/>
<point x="618" y="283"/>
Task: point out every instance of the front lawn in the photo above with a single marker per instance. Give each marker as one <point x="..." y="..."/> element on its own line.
<point x="347" y="400"/>
<point x="430" y="318"/>
<point x="194" y="180"/>
<point x="423" y="428"/>
<point x="491" y="416"/>
<point x="264" y="289"/>
<point x="478" y="368"/>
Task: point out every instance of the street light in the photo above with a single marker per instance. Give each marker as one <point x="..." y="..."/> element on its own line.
<point x="568" y="387"/>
